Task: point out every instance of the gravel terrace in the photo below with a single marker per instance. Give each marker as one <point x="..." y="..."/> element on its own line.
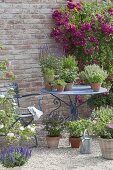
<point x="65" y="158"/>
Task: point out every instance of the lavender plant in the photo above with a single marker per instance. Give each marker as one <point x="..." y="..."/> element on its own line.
<point x="15" y="156"/>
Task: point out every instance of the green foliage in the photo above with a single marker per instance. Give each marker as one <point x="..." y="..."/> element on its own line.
<point x="69" y="75"/>
<point x="76" y="128"/>
<point x="49" y="74"/>
<point x="93" y="74"/>
<point x="5" y="71"/>
<point x="60" y="82"/>
<point x="101" y="100"/>
<point x="54" y="126"/>
<point x="102" y="118"/>
<point x="8" y="113"/>
<point x="50" y="61"/>
<point x="69" y="63"/>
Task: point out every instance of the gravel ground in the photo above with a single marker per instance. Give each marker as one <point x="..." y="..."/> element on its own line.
<point x="66" y="158"/>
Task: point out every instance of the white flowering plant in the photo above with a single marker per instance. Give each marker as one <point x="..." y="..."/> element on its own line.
<point x="9" y="127"/>
<point x="94" y="74"/>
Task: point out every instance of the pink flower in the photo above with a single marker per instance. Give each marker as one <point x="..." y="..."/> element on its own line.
<point x="110" y="10"/>
<point x="89" y="51"/>
<point x="107" y="28"/>
<point x="110" y="125"/>
<point x="86" y="26"/>
<point x="106" y="93"/>
<point x="71" y="28"/>
<point x="79" y="99"/>
<point x="57" y="34"/>
<point x="65" y="47"/>
<point x="70" y="5"/>
<point x="60" y="18"/>
<point x="100" y="17"/>
<point x="95" y="61"/>
<point x="94" y="40"/>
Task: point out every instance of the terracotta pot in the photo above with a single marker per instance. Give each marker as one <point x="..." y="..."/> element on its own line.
<point x="69" y="86"/>
<point x="106" y="146"/>
<point x="48" y="86"/>
<point x="60" y="88"/>
<point x="52" y="142"/>
<point x="75" y="142"/>
<point x="96" y="86"/>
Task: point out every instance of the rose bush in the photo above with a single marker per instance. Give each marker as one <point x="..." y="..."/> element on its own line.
<point x="86" y="30"/>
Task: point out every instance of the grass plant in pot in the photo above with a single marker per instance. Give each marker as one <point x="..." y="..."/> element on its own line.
<point x="103" y="128"/>
<point x="54" y="126"/>
<point x="69" y="72"/>
<point x="60" y="84"/>
<point x="50" y="65"/>
<point x="76" y="130"/>
<point x="95" y="75"/>
<point x="69" y="76"/>
<point x="49" y="78"/>
<point x="13" y="158"/>
<point x="69" y="62"/>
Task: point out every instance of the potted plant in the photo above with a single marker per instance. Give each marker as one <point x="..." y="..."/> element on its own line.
<point x="76" y="130"/>
<point x="69" y="62"/>
<point x="60" y="84"/>
<point x="49" y="78"/>
<point x="69" y="77"/>
<point x="54" y="126"/>
<point x="103" y="128"/>
<point x="50" y="66"/>
<point x="69" y="71"/>
<point x="13" y="158"/>
<point x="95" y="75"/>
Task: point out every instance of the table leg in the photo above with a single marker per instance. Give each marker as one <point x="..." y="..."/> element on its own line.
<point x="73" y="108"/>
<point x="71" y="104"/>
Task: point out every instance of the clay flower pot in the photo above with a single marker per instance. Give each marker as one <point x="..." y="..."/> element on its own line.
<point x="60" y="88"/>
<point x="52" y="142"/>
<point x="75" y="142"/>
<point x="69" y="86"/>
<point x="96" y="86"/>
<point x="48" y="86"/>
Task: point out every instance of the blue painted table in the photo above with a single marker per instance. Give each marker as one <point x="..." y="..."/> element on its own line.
<point x="77" y="90"/>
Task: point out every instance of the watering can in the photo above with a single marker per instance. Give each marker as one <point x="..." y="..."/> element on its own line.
<point x="85" y="147"/>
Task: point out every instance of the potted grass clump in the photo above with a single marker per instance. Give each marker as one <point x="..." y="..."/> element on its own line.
<point x="49" y="78"/>
<point x="76" y="130"/>
<point x="13" y="158"/>
<point x="103" y="128"/>
<point x="60" y="84"/>
<point x="69" y="72"/>
<point x="69" y="76"/>
<point x="95" y="75"/>
<point x="50" y="65"/>
<point x="54" y="126"/>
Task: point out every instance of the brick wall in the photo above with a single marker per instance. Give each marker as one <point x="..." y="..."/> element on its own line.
<point x="25" y="26"/>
